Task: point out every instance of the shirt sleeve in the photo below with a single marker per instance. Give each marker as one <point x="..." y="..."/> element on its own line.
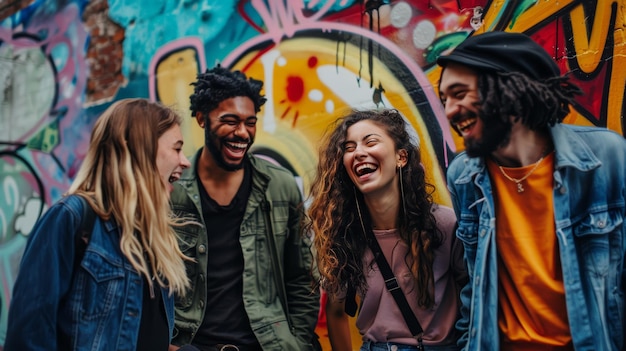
<point x="43" y="279"/>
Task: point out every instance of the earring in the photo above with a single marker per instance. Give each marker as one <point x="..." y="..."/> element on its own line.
<point x="402" y="191"/>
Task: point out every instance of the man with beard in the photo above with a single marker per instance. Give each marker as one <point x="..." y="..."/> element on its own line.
<point x="540" y="204"/>
<point x="251" y="282"/>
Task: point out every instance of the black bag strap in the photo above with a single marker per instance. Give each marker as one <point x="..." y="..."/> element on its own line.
<point x="83" y="234"/>
<point x="350" y="306"/>
<point x="391" y="283"/>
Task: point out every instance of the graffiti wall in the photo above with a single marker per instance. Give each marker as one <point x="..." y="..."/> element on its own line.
<point x="62" y="62"/>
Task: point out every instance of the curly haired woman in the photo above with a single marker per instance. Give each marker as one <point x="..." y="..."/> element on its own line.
<point x="370" y="179"/>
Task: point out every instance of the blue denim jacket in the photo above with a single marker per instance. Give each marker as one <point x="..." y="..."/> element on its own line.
<point x="589" y="198"/>
<point x="97" y="307"/>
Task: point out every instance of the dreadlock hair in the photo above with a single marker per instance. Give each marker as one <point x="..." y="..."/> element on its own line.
<point x="537" y="104"/>
<point x="219" y="84"/>
<point x="338" y="239"/>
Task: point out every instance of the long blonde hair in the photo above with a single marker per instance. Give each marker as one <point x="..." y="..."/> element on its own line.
<point x="120" y="180"/>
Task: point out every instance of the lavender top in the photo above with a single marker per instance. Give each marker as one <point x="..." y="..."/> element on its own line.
<point x="380" y="319"/>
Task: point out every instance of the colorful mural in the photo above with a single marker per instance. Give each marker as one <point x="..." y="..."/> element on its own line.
<point x="63" y="62"/>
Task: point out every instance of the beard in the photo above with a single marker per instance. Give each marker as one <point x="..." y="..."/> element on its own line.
<point x="215" y="144"/>
<point x="495" y="134"/>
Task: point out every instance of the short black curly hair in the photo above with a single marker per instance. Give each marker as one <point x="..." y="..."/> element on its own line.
<point x="218" y="84"/>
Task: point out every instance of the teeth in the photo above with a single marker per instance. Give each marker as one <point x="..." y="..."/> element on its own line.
<point x="173" y="178"/>
<point x="238" y="145"/>
<point x="365" y="168"/>
<point x="466" y="123"/>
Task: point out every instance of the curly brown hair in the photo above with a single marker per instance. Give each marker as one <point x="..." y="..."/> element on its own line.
<point x="339" y="242"/>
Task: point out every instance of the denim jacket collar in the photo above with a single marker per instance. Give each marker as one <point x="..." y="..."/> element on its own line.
<point x="573" y="151"/>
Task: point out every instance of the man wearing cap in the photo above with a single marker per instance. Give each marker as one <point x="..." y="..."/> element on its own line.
<point x="540" y="204"/>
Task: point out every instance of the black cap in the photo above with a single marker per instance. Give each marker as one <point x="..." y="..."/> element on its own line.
<point x="503" y="52"/>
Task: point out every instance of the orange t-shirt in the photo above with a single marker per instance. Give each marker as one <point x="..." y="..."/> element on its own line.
<point x="531" y="300"/>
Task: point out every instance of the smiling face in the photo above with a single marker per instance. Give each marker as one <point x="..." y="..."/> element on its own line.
<point x="459" y="94"/>
<point x="170" y="159"/>
<point x="371" y="159"/>
<point x="231" y="131"/>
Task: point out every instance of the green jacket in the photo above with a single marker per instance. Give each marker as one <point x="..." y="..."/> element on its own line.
<point x="273" y="329"/>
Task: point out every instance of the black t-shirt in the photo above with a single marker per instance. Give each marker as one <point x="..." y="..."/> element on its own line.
<point x="153" y="330"/>
<point x="225" y="320"/>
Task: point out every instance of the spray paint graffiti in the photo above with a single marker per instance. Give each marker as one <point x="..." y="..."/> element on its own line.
<point x="42" y="135"/>
<point x="317" y="58"/>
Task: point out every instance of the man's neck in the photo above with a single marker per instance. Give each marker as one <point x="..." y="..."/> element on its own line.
<point x="524" y="148"/>
<point x="221" y="185"/>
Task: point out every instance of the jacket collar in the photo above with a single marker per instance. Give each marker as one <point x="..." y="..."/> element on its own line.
<point x="571" y="149"/>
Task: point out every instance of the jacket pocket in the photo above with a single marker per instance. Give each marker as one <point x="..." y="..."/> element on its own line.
<point x="593" y="240"/>
<point x="100" y="286"/>
<point x="267" y="277"/>
<point x="265" y="270"/>
<point x="467" y="233"/>
<point x="278" y="336"/>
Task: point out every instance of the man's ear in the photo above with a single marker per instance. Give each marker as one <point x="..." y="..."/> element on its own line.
<point x="200" y="119"/>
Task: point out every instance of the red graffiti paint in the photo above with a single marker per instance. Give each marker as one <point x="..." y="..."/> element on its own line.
<point x="295" y="88"/>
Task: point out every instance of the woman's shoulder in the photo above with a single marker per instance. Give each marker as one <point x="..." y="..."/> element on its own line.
<point x="443" y="213"/>
<point x="445" y="218"/>
<point x="68" y="205"/>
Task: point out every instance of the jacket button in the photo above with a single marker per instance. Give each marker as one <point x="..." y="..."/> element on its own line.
<point x="601" y="224"/>
<point x="563" y="190"/>
<point x="201" y="249"/>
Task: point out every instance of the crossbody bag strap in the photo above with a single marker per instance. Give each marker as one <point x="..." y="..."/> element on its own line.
<point x="391" y="283"/>
<point x="278" y="272"/>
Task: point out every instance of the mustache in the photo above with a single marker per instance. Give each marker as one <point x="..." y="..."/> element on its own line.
<point x="238" y="140"/>
<point x="460" y="117"/>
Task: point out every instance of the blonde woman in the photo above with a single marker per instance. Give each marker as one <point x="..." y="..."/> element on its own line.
<point x="116" y="291"/>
